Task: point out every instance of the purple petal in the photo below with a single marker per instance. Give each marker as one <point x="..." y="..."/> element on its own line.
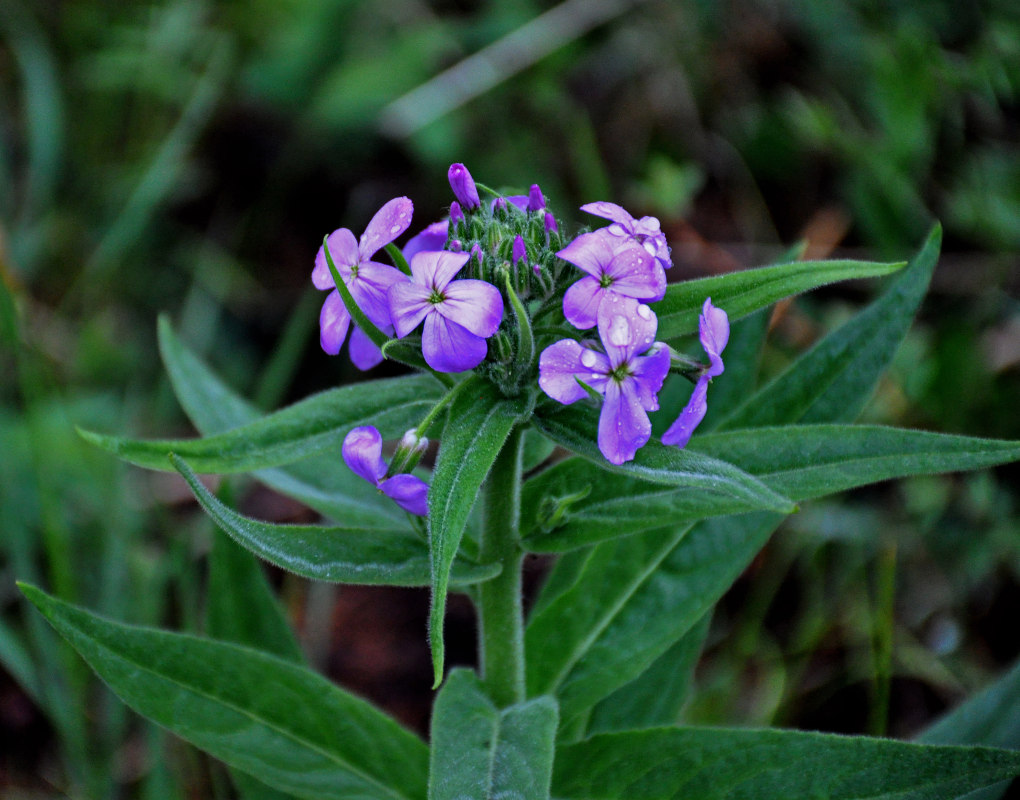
<point x="388" y="223"/>
<point x="333" y="323"/>
<point x="581" y="303"/>
<point x="623" y="424"/>
<point x="610" y="211"/>
<point x="362" y="350"/>
<point x="649" y="372"/>
<point x="369" y="289"/>
<point x="362" y="453"/>
<point x="679" y="432"/>
<point x="562" y="362"/>
<point x="343" y="248"/>
<point x="714" y="333"/>
<point x="435" y="270"/>
<point x="592" y="252"/>
<point x="463" y="186"/>
<point x="409" y="492"/>
<point x="626" y="327"/>
<point x="449" y="347"/>
<point x="476" y="305"/>
<point x="636" y="274"/>
<point x="409" y="305"/>
<point x="518" y="200"/>
<point x="432" y="238"/>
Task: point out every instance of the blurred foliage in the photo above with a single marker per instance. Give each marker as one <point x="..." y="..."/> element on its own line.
<point x="187" y="155"/>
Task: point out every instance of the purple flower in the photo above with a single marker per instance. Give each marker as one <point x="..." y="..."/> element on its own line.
<point x="463" y="186"/>
<point x="362" y="452"/>
<point x="614" y="268"/>
<point x="519" y="250"/>
<point x="432" y="238"/>
<point x="459" y="315"/>
<point x="367" y="280"/>
<point x="629" y="381"/>
<point x="536" y="202"/>
<point x="645" y="231"/>
<point x="714" y="333"/>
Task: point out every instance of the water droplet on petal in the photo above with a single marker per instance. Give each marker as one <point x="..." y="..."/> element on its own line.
<point x="395" y="229"/>
<point x="619" y="331"/>
<point x="594" y="375"/>
<point x="588" y="358"/>
<point x="644" y="311"/>
<point x="648" y="340"/>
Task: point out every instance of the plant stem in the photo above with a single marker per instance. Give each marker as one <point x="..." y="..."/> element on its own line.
<point x="500" y="613"/>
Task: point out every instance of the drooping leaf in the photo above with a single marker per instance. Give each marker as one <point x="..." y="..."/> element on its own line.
<point x="309" y="426"/>
<point x="824" y="384"/>
<point x="480" y="751"/>
<point x="483" y="420"/>
<point x="741" y="293"/>
<point x="376" y="556"/>
<point x="713" y="764"/>
<point x="285" y="725"/>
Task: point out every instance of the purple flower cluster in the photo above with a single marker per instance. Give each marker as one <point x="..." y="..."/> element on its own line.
<point x="362" y="453"/>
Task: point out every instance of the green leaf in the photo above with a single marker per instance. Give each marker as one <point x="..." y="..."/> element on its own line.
<point x="480" y="751"/>
<point x="341" y="555"/>
<point x="713" y="764"/>
<point x="536" y="449"/>
<point x="740" y="293"/>
<point x="285" y="725"/>
<point x="319" y="482"/>
<point x="576" y="428"/>
<point x="825" y="384"/>
<point x="479" y="423"/>
<point x="319" y="422"/>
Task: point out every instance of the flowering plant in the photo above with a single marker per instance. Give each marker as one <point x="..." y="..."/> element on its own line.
<point x="539" y="358"/>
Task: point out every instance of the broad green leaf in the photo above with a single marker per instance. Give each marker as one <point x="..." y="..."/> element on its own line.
<point x="285" y="725"/>
<point x="740" y="293"/>
<point x="825" y="384"/>
<point x="309" y="426"/>
<point x="576" y="428"/>
<point x="240" y="605"/>
<point x="718" y="764"/>
<point x="536" y="449"/>
<point x="656" y="697"/>
<point x="480" y="422"/>
<point x="480" y="751"/>
<point x="799" y="461"/>
<point x="320" y="481"/>
<point x="632" y="599"/>
<point x="342" y="555"/>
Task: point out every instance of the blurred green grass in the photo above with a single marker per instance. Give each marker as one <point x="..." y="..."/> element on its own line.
<point x="187" y="156"/>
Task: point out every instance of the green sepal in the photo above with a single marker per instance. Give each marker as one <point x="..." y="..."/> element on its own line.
<point x="398" y="259"/>
<point x="525" y="338"/>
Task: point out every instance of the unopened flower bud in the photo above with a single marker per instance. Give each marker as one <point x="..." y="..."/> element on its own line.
<point x="550" y="223"/>
<point x="536" y="202"/>
<point x="499" y="204"/>
<point x="519" y="250"/>
<point x="456" y="214"/>
<point x="463" y="186"/>
<point x="476" y="252"/>
<point x="456" y="245"/>
<point x="413" y="442"/>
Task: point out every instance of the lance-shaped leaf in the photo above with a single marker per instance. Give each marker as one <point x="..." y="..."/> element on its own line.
<point x="824" y="384"/>
<point x="479" y="423"/>
<point x="309" y="426"/>
<point x="480" y="751"/>
<point x="373" y="556"/>
<point x="718" y="764"/>
<point x="287" y="726"/>
<point x="576" y="428"/>
<point x="318" y="481"/>
<point x="741" y="293"/>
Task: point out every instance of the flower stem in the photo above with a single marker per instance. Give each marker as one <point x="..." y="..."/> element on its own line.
<point x="500" y="613"/>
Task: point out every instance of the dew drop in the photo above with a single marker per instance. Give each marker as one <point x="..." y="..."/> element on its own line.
<point x="588" y="359"/>
<point x="648" y="340"/>
<point x="644" y="311"/>
<point x="395" y="229"/>
<point x="619" y="331"/>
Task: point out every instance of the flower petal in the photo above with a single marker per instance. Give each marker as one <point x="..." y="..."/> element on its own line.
<point x="369" y="289"/>
<point x="649" y="372"/>
<point x="449" y="347"/>
<point x="592" y="252"/>
<point x="362" y="453"/>
<point x="581" y="303"/>
<point x="561" y="363"/>
<point x="476" y="305"/>
<point x="388" y="223"/>
<point x="436" y="269"/>
<point x="626" y="327"/>
<point x="362" y="350"/>
<point x="636" y="274"/>
<point x="623" y="424"/>
<point x="432" y="238"/>
<point x="343" y="248"/>
<point x="679" y="432"/>
<point x="714" y="333"/>
<point x="409" y="305"/>
<point x="610" y="211"/>
<point x="333" y="323"/>
<point x="409" y="492"/>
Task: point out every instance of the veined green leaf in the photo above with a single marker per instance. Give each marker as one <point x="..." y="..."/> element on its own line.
<point x="483" y="420"/>
<point x="309" y="426"/>
<point x="287" y="726"/>
<point x="480" y="751"/>
<point x="825" y="384"/>
<point x="576" y="428"/>
<point x="713" y="764"/>
<point x="740" y="293"/>
<point x="343" y="555"/>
